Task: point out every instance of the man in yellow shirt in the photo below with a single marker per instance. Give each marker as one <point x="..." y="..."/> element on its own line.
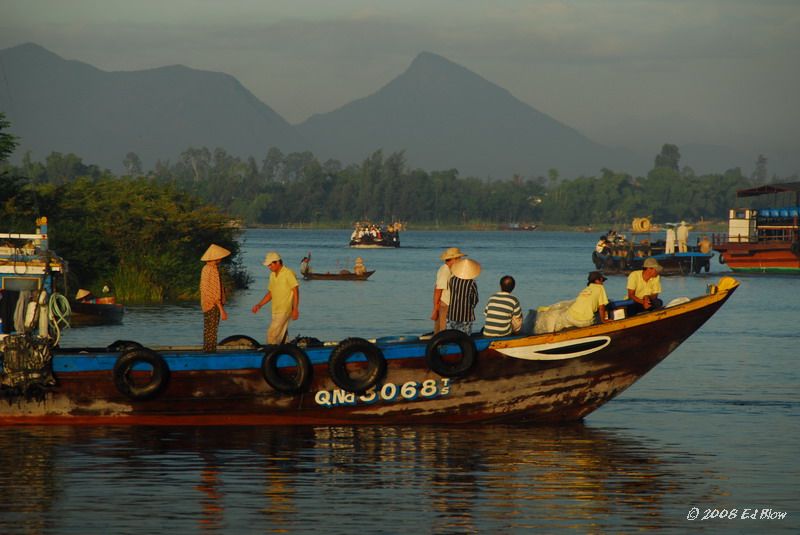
<point x="591" y="301"/>
<point x="283" y="291"/>
<point x="644" y="286"/>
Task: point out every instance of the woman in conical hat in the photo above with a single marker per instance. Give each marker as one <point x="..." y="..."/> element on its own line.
<point x="463" y="294"/>
<point x="212" y="295"/>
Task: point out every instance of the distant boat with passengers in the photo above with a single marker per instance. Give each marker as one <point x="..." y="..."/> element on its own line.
<point x="368" y="235"/>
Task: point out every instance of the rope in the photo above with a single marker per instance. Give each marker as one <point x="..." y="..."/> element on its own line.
<point x="59" y="313"/>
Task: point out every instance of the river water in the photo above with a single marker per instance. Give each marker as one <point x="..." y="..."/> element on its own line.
<point x="711" y="431"/>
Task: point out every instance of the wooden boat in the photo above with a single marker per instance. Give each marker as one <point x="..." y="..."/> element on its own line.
<point x="518" y="226"/>
<point x="370" y="236"/>
<point x="625" y="261"/>
<point x="97" y="313"/>
<point x="764" y="240"/>
<point x="341" y="276"/>
<point x="629" y="255"/>
<point x="28" y="270"/>
<point x="450" y="378"/>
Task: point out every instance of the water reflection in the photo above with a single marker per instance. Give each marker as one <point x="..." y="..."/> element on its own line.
<point x="342" y="479"/>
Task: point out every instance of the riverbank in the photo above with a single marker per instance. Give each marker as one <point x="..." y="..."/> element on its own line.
<point x="699" y="226"/>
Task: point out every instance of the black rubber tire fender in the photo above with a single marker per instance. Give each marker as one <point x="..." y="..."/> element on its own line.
<point x="239" y="340"/>
<point x="158" y="379"/>
<point x="123" y="345"/>
<point x="433" y="355"/>
<point x="280" y="382"/>
<point x="375" y="369"/>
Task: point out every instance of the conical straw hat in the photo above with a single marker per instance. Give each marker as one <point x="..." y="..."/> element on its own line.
<point x="452" y="252"/>
<point x="82" y="293"/>
<point x="466" y="268"/>
<point x="214" y="252"/>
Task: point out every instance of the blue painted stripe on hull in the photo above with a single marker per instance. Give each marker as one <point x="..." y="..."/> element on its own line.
<point x="229" y="360"/>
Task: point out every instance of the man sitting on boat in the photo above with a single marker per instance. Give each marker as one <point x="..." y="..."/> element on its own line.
<point x="359" y="268"/>
<point x="503" y="311"/>
<point x="644" y="286"/>
<point x="85" y="296"/>
<point x="589" y="305"/>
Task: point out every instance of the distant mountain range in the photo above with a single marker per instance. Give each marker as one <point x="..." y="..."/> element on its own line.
<point x="441" y="114"/>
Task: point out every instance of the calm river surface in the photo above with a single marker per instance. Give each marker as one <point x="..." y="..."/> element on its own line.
<point x="715" y="427"/>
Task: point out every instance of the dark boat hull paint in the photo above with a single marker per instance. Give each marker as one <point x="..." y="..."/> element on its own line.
<point x="338" y="276"/>
<point x="90" y="314"/>
<point x="500" y="388"/>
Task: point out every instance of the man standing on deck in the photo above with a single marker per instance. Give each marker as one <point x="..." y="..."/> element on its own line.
<point x="212" y="295"/>
<point x="283" y="291"/>
<point x="441" y="292"/>
<point x="683" y="237"/>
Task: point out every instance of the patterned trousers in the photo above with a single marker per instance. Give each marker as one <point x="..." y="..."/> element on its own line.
<point x="210" y="326"/>
<point x="463" y="326"/>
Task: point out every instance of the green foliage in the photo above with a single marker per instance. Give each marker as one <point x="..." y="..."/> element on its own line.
<point x="297" y="188"/>
<point x="140" y="237"/>
<point x="670" y="157"/>
<point x="8" y="142"/>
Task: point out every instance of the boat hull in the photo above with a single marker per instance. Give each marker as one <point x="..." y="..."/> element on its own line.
<point x="90" y="314"/>
<point x="777" y="258"/>
<point x="672" y="264"/>
<point x="338" y="276"/>
<point x="549" y="378"/>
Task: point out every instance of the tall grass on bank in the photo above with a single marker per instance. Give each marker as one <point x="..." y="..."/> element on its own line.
<point x="135" y="285"/>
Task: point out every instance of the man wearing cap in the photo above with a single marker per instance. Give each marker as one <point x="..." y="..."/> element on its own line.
<point x="212" y="295"/>
<point x="644" y="286"/>
<point x="441" y="293"/>
<point x="284" y="293"/>
<point x="591" y="301"/>
<point x="463" y="295"/>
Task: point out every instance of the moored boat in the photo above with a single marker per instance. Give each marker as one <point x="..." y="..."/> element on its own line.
<point x="763" y="240"/>
<point x="28" y="271"/>
<point x="449" y="378"/>
<point x="97" y="313"/>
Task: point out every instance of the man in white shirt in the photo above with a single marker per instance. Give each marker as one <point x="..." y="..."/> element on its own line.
<point x="441" y="293"/>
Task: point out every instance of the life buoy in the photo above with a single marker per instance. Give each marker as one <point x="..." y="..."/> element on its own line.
<point x="239" y="340"/>
<point x="288" y="384"/>
<point x="449" y="365"/>
<point x="124" y="374"/>
<point x="367" y="376"/>
<point x="640" y="224"/>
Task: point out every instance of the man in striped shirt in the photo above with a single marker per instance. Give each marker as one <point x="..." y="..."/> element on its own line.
<point x="500" y="310"/>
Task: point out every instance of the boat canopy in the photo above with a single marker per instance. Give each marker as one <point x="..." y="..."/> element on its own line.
<point x="770" y="188"/>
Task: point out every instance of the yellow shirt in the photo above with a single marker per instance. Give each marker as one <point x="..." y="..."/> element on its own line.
<point x="641" y="287"/>
<point x="587" y="303"/>
<point x="281" y="286"/>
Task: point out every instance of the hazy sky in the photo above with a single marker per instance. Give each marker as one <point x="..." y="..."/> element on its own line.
<point x="632" y="72"/>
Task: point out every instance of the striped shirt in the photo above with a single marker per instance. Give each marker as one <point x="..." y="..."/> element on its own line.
<point x="501" y="307"/>
<point x="463" y="298"/>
